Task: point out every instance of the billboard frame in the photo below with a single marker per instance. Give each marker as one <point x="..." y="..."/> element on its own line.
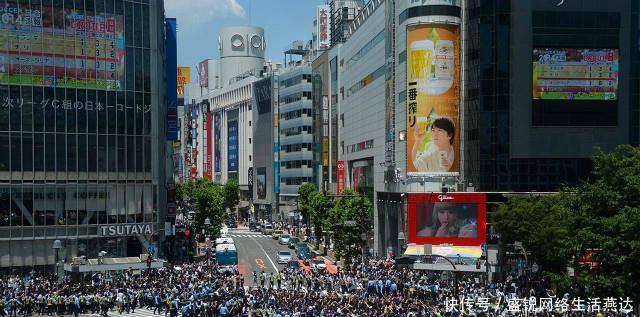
<point x="480" y="199"/>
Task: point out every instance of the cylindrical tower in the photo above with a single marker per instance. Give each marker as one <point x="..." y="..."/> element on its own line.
<point x="242" y="50"/>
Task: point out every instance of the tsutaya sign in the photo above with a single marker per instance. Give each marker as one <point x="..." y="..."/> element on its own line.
<point x="126" y="229"/>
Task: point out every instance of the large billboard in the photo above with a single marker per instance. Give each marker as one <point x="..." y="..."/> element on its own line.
<point x="171" y="66"/>
<point x="451" y="218"/>
<point x="323" y="30"/>
<point x="232" y="145"/>
<point x="217" y="135"/>
<point x="61" y="47"/>
<point x="184" y="78"/>
<point x="261" y="183"/>
<point x="575" y="74"/>
<point x="433" y="98"/>
<point x="203" y="73"/>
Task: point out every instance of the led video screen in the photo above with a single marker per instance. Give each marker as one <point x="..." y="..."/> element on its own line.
<point x="575" y="74"/>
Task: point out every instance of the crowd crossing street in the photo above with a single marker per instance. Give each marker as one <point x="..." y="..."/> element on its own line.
<point x="375" y="288"/>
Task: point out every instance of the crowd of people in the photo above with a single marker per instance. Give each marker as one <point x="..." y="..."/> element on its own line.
<point x="375" y="288"/>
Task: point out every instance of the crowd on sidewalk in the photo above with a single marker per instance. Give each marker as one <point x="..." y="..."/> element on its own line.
<point x="375" y="288"/>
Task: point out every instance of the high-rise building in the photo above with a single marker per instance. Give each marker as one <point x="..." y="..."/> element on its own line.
<point x="296" y="130"/>
<point x="440" y="96"/>
<point x="82" y="129"/>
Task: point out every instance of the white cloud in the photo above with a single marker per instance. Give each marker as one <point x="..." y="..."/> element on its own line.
<point x="194" y="12"/>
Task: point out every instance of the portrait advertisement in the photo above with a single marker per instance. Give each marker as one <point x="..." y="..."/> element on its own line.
<point x="261" y="183"/>
<point x="433" y="99"/>
<point x="447" y="218"/>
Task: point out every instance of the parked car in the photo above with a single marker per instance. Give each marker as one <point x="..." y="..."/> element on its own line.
<point x="308" y="256"/>
<point x="292" y="242"/>
<point x="232" y="224"/>
<point x="293" y="265"/>
<point x="267" y="229"/>
<point x="318" y="265"/>
<point x="284" y="256"/>
<point x="301" y="247"/>
<point x="252" y="226"/>
<point x="258" y="228"/>
<point x="284" y="239"/>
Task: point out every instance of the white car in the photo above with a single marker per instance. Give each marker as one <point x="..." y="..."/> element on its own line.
<point x="284" y="257"/>
<point x="318" y="265"/>
<point x="284" y="239"/>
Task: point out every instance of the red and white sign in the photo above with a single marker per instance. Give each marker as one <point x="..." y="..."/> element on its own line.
<point x="340" y="174"/>
<point x="323" y="30"/>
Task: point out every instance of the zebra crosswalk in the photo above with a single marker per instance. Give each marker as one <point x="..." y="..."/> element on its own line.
<point x="248" y="235"/>
<point x="140" y="312"/>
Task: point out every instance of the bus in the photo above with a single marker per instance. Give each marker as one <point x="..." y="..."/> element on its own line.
<point x="224" y="241"/>
<point x="226" y="257"/>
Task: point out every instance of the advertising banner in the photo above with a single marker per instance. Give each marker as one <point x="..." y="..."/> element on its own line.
<point x="61" y="47"/>
<point x="232" y="146"/>
<point x="261" y="183"/>
<point x="209" y="126"/>
<point x="452" y="218"/>
<point x="171" y="53"/>
<point x="340" y="176"/>
<point x="575" y="74"/>
<point x="203" y="73"/>
<point x="262" y="93"/>
<point x="323" y="30"/>
<point x="217" y="129"/>
<point x="184" y="78"/>
<point x="433" y="98"/>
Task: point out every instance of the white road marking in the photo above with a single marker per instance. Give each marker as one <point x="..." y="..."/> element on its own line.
<point x="268" y="257"/>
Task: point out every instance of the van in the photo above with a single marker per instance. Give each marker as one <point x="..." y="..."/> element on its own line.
<point x="267" y="229"/>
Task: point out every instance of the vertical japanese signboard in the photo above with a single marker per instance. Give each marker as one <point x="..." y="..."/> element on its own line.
<point x="232" y="146"/>
<point x="322" y="28"/>
<point x="171" y="78"/>
<point x="340" y="175"/>
<point x="433" y="98"/>
<point x="184" y="78"/>
<point x="217" y="121"/>
<point x="208" y="150"/>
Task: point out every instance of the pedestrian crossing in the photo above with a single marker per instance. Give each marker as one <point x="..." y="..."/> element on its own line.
<point x="248" y="235"/>
<point x="140" y="312"/>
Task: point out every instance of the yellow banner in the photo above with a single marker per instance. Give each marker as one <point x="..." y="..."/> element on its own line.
<point x="433" y="99"/>
<point x="184" y="78"/>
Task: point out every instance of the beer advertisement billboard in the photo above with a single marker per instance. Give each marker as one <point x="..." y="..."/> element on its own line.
<point x="433" y="99"/>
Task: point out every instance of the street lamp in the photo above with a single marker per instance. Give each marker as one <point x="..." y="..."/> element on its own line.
<point x="57" y="245"/>
<point x="207" y="224"/>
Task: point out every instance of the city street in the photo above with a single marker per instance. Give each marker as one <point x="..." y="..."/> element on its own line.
<point x="256" y="252"/>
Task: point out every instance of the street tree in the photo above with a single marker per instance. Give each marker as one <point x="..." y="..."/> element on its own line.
<point x="304" y="192"/>
<point x="319" y="206"/>
<point x="599" y="218"/>
<point x="209" y="203"/>
<point x="231" y="193"/>
<point x="352" y="221"/>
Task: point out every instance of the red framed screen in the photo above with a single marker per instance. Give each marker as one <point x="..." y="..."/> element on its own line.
<point x="452" y="218"/>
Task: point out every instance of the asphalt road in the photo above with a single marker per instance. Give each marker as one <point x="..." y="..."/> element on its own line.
<point x="256" y="252"/>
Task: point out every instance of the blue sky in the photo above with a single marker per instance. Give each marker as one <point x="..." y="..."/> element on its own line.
<point x="199" y="22"/>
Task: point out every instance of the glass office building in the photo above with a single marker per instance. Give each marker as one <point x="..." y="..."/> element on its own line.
<point x="81" y="128"/>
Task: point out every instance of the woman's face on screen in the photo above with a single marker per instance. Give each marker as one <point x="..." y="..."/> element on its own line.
<point x="447" y="216"/>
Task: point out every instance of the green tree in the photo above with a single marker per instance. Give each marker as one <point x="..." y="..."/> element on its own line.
<point x="607" y="220"/>
<point x="231" y="193"/>
<point x="352" y="220"/>
<point x="319" y="206"/>
<point x="304" y="192"/>
<point x="209" y="203"/>
<point x="543" y="225"/>
<point x="601" y="215"/>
